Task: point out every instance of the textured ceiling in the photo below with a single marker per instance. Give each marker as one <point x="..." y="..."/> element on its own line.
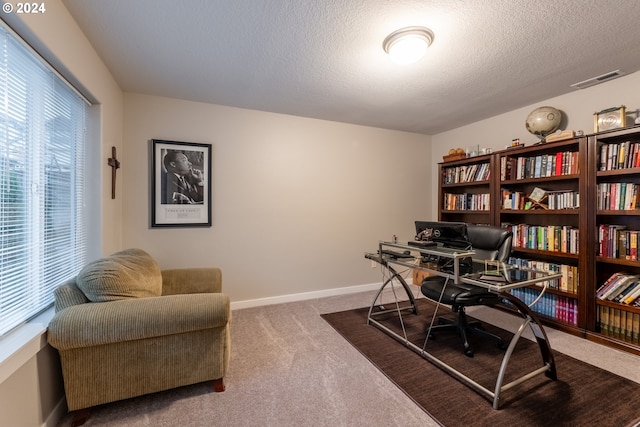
<point x="324" y="58"/>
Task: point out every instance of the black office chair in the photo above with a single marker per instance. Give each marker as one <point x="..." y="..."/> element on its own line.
<point x="488" y="242"/>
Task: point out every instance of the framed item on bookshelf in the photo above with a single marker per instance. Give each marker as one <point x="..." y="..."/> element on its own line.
<point x="181" y="184"/>
<point x="611" y="118"/>
<point x="537" y="195"/>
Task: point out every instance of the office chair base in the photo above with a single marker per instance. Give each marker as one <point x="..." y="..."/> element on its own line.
<point x="462" y="327"/>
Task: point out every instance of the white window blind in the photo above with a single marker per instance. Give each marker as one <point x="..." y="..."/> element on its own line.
<point x="43" y="229"/>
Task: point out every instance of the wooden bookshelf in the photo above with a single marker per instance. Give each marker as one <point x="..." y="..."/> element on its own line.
<point x="465" y="180"/>
<point x="570" y="171"/>
<point x="544" y="236"/>
<point x="614" y="159"/>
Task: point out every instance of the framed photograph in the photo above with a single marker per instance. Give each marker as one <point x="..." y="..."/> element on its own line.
<point x="611" y="118"/>
<point x="181" y="184"/>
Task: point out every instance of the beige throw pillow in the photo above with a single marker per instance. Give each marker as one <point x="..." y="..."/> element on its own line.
<point x="131" y="273"/>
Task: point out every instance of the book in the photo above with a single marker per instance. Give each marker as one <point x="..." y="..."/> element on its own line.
<point x="632" y="296"/>
<point x="611" y="281"/>
<point x="626" y="291"/>
<point x="603" y="157"/>
<point x="633" y="245"/>
<point x="619" y="287"/>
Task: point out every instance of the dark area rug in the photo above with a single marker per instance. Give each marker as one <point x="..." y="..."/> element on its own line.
<point x="583" y="395"/>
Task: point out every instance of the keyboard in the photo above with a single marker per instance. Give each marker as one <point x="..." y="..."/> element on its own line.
<point x="397" y="255"/>
<point x="421" y="243"/>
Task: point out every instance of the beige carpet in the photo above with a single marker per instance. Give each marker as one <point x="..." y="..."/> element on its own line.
<point x="291" y="368"/>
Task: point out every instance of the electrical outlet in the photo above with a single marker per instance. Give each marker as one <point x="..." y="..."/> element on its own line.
<point x="373" y="264"/>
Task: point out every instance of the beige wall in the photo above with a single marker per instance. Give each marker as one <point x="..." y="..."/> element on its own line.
<point x="577" y="107"/>
<point x="296" y="201"/>
<point x="32" y="394"/>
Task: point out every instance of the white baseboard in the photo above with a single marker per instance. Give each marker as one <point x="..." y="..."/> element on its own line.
<point x="236" y="305"/>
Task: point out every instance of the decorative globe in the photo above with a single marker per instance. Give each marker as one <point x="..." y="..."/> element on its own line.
<point x="543" y="121"/>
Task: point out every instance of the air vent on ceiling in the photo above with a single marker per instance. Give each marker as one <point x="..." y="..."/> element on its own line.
<point x="597" y="80"/>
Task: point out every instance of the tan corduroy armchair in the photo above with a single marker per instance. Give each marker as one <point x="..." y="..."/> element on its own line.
<point x="125" y="328"/>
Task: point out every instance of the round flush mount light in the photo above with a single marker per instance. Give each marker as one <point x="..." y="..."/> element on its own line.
<point x="408" y="45"/>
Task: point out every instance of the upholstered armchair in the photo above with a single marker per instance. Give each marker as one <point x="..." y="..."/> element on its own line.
<point x="125" y="328"/>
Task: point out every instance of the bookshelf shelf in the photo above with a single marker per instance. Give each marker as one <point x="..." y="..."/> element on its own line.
<point x="635" y="212"/>
<point x="573" y="295"/>
<point x="467" y="211"/>
<point x="566" y="255"/>
<point x="539" y="212"/>
<point x="542" y="179"/>
<point x="466" y="184"/>
<point x="618" y="172"/>
<point x="618" y="261"/>
<point x="618" y="306"/>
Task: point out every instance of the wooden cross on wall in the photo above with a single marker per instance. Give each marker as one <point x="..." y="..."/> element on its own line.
<point x="115" y="165"/>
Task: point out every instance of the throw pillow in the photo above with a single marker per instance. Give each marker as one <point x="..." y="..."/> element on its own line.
<point x="131" y="273"/>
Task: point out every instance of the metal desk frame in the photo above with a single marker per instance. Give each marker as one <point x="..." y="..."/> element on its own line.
<point x="388" y="262"/>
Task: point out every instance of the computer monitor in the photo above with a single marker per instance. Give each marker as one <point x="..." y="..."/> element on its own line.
<point x="450" y="234"/>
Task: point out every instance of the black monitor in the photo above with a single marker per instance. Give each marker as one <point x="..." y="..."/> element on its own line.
<point x="450" y="234"/>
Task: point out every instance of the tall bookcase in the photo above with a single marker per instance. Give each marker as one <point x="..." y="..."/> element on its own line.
<point x="547" y="233"/>
<point x="563" y="230"/>
<point x="614" y="215"/>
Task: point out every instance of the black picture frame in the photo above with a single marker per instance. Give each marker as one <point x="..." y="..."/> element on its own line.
<point x="180" y="184"/>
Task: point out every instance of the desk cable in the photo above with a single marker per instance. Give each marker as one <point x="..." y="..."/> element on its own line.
<point x="544" y="289"/>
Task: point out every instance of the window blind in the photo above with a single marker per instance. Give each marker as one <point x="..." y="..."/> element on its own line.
<point x="43" y="224"/>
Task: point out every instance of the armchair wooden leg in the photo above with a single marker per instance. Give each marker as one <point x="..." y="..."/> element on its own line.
<point x="80" y="417"/>
<point x="218" y="385"/>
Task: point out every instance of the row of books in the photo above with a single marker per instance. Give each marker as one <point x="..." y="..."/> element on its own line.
<point x="466" y="173"/>
<point x="567" y="283"/>
<point x="467" y="201"/>
<point x="565" y="199"/>
<point x="550" y="305"/>
<point x="617" y="196"/>
<point x="615" y="241"/>
<point x="513" y="200"/>
<point x="622" y="288"/>
<point x="545" y="165"/>
<point x="619" y="324"/>
<point x="554" y="238"/>
<point x="619" y="156"/>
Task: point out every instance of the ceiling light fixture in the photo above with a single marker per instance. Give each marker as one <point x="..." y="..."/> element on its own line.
<point x="408" y="45"/>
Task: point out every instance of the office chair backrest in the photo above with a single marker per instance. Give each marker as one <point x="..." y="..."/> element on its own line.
<point x="489" y="242"/>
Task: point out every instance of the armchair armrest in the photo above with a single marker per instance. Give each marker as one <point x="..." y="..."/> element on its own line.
<point x="67" y="295"/>
<point x="191" y="281"/>
<point x="102" y="323"/>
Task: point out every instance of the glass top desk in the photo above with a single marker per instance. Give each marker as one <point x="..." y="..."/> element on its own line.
<point x="397" y="258"/>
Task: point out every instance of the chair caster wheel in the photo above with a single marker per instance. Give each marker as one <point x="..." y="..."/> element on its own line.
<point x="500" y="346"/>
<point x="468" y="353"/>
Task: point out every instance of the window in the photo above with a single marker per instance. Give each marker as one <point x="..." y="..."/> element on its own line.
<point x="43" y="226"/>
